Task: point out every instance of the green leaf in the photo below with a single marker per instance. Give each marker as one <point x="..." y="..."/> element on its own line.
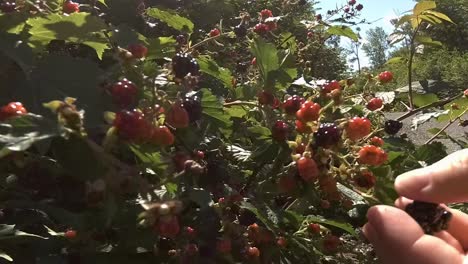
<point x="260" y="131"/>
<point x="213" y="110"/>
<point x="236" y="111"/>
<point x="124" y="35"/>
<point x="395" y="60"/>
<point x="404" y="19"/>
<point x="209" y="66"/>
<point x="288" y="41"/>
<point x="462" y="104"/>
<point x="266" y="55"/>
<point x="9" y="235"/>
<point x="431" y="153"/>
<point x="426" y="40"/>
<point x="384" y="190"/>
<point x="161" y="47"/>
<point x="440" y="15"/>
<point x="266" y="215"/>
<point x="424" y="99"/>
<point x="77" y="27"/>
<point x="430" y="19"/>
<point x="422" y="6"/>
<point x="201" y="197"/>
<point x="21" y="133"/>
<point x="102" y="2"/>
<point x="12" y="46"/>
<point x="172" y="19"/>
<point x="343" y="31"/>
<point x="150" y="158"/>
<point x="13" y="23"/>
<point x="341" y="225"/>
<point x="265" y="153"/>
<point x="436" y="130"/>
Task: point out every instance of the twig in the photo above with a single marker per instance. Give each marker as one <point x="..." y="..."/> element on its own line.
<point x="446" y="126"/>
<point x="239" y="103"/>
<point x="205" y="41"/>
<point x="434" y="104"/>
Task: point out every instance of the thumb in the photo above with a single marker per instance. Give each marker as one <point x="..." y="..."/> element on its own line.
<point x="442" y="182"/>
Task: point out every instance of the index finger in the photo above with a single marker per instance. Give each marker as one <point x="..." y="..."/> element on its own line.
<point x="445" y="181"/>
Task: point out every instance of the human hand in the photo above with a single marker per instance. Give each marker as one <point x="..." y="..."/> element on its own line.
<point x="398" y="238"/>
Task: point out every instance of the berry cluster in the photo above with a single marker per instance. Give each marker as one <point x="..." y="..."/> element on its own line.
<point x="266" y="24"/>
<point x="431" y="217"/>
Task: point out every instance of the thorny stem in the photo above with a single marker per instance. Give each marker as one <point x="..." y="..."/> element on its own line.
<point x="446" y="126"/>
<point x="206" y="41"/>
<point x="410" y="67"/>
<point x="435" y="104"/>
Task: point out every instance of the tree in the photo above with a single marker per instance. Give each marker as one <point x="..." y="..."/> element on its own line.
<point x="376" y="47"/>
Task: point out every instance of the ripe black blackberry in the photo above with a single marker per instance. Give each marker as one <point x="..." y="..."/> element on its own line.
<point x="183" y="64"/>
<point x="431" y="217"/>
<point x="8" y="6"/>
<point x="240" y="31"/>
<point x="393" y="126"/>
<point x="327" y="135"/>
<point x="192" y="105"/>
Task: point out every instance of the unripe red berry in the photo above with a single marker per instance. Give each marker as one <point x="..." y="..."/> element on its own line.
<point x="261" y="28"/>
<point x="376" y="141"/>
<point x="215" y="32"/>
<point x="132" y="126"/>
<point x="386" y="76"/>
<point x="333" y="85"/>
<point x="138" y="50"/>
<point x="308" y="169"/>
<point x="310" y="34"/>
<point x="302" y="127"/>
<point x="178" y="116"/>
<point x="253" y="252"/>
<point x="254" y="62"/>
<point x="293" y="104"/>
<point x="358" y="128"/>
<point x="282" y="242"/>
<point x="330" y="244"/>
<point x="308" y="112"/>
<point x="168" y="227"/>
<point x="280" y="131"/>
<point x="325" y="204"/>
<point x="372" y="155"/>
<point x="365" y="180"/>
<point x="287" y="184"/>
<point x="266" y="98"/>
<point x="266" y="13"/>
<point x="352" y="2"/>
<point x="314" y="228"/>
<point x="11" y="110"/>
<point x="124" y="93"/>
<point x="224" y="246"/>
<point x="162" y="136"/>
<point x="71" y="7"/>
<point x="374" y="104"/>
<point x="70" y="234"/>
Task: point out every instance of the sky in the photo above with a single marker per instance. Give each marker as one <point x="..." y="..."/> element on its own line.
<point x="380" y="11"/>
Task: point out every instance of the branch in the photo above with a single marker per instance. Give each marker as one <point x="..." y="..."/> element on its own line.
<point x="446" y="126"/>
<point x="422" y="108"/>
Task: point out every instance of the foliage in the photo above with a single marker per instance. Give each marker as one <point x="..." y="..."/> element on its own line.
<point x="155" y="138"/>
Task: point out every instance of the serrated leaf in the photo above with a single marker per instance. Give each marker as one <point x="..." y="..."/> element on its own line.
<point x="341" y="225"/>
<point x="236" y="111"/>
<point x="462" y="105"/>
<point x="396" y="60"/>
<point x="431" y="19"/>
<point x="77" y="27"/>
<point x="265" y="153"/>
<point x="440" y="15"/>
<point x="266" y="55"/>
<point x="404" y="19"/>
<point x="210" y="67"/>
<point x="266" y="215"/>
<point x="343" y="31"/>
<point x="213" y="110"/>
<point x="384" y="190"/>
<point x="260" y="131"/>
<point x="124" y="35"/>
<point x="149" y="157"/>
<point x="161" y="47"/>
<point x="172" y="19"/>
<point x="13" y="23"/>
<point x="431" y="153"/>
<point x="422" y="6"/>
<point x="424" y="99"/>
<point x="21" y="133"/>
<point x="9" y="235"/>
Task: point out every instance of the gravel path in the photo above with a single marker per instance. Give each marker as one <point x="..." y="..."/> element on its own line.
<point x="420" y="136"/>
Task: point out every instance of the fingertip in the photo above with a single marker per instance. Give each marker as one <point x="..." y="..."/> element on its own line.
<point x="411" y="183"/>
